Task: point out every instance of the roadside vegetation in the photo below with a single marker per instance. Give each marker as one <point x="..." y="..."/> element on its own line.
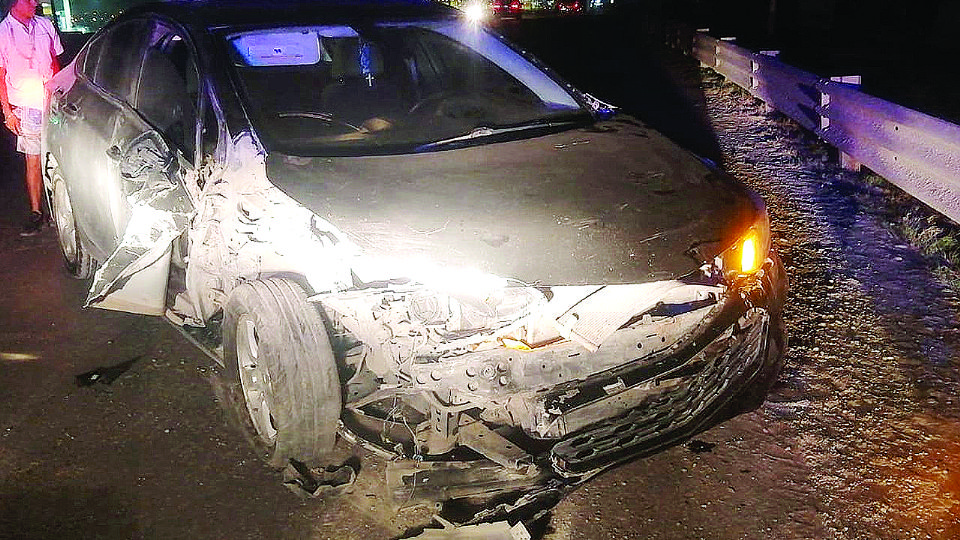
<point x="934" y="235"/>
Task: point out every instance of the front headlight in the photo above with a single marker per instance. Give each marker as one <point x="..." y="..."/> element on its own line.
<point x="751" y="249"/>
<point x="464" y="311"/>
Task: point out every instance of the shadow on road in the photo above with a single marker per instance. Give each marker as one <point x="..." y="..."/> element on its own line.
<point x="67" y="512"/>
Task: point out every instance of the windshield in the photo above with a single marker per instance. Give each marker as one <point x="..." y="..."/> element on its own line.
<point x="392" y="87"/>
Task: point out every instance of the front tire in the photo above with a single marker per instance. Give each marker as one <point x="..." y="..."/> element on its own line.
<point x="282" y="376"/>
<point x="76" y="260"/>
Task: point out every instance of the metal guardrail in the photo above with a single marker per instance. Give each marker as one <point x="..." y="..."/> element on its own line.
<point x="917" y="152"/>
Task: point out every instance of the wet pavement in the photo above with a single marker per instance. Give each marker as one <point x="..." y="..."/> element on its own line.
<point x="860" y="439"/>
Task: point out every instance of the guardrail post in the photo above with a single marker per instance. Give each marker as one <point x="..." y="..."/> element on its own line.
<point x="718" y="54"/>
<point x="847" y="162"/>
<point x="824" y="120"/>
<point x="704" y="31"/>
<point x="755" y="79"/>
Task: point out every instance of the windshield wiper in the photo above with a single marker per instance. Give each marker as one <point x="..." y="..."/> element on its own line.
<point x="486" y="131"/>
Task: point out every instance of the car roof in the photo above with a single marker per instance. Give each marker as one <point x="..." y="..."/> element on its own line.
<point x="221" y="13"/>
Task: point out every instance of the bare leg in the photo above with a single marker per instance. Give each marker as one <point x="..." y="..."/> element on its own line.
<point x="34" y="183"/>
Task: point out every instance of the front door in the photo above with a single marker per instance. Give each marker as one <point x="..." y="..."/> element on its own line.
<point x="154" y="145"/>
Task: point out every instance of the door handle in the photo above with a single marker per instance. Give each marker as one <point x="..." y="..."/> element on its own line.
<point x="70" y="109"/>
<point x="114" y="153"/>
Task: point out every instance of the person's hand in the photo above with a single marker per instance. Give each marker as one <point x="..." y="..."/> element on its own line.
<point x="12" y="123"/>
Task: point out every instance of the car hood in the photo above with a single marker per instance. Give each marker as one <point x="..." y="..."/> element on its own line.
<point x="612" y="203"/>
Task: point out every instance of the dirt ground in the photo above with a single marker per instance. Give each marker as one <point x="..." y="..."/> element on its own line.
<point x="860" y="439"/>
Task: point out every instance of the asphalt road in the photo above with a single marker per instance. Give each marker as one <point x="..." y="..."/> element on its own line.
<point x="859" y="440"/>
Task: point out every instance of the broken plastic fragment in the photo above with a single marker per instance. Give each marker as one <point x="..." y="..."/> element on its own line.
<point x="603" y="111"/>
<point x="312" y="483"/>
<point x="105" y="375"/>
<point x="500" y="530"/>
<point x="698" y="447"/>
<point x="515" y="344"/>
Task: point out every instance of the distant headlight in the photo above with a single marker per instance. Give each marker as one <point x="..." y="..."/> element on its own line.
<point x="749" y="252"/>
<point x="475" y="12"/>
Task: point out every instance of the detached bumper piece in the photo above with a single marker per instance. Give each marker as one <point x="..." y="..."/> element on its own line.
<point x="423" y="482"/>
<point x="680" y="401"/>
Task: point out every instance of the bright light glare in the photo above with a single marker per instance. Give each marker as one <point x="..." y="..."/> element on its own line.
<point x="447" y="279"/>
<point x="475" y="12"/>
<point x="453" y="281"/>
<point x="17" y="357"/>
<point x="33" y="87"/>
<point x="748" y="254"/>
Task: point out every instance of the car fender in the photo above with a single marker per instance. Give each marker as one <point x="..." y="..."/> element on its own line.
<point x="246" y="228"/>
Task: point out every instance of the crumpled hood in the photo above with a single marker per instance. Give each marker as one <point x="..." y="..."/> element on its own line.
<point x="612" y="203"/>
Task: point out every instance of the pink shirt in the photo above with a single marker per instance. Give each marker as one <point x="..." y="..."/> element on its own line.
<point x="26" y="53"/>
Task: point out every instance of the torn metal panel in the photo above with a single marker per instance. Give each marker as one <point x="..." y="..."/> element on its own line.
<point x="593" y="319"/>
<point x="317" y="483"/>
<point x="134" y="276"/>
<point x="133" y="279"/>
<point x="247" y="229"/>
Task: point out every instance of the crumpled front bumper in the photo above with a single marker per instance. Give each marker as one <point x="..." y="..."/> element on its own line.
<point x="726" y="370"/>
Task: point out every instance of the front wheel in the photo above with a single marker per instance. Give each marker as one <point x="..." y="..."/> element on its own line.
<point x="282" y="374"/>
<point x="77" y="261"/>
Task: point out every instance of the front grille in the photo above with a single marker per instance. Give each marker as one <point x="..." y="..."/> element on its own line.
<point x="677" y="412"/>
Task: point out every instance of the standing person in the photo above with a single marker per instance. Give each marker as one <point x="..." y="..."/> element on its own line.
<point x="29" y="46"/>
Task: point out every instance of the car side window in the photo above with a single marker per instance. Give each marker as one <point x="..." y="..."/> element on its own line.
<point x="168" y="89"/>
<point x="89" y="56"/>
<point x="112" y="59"/>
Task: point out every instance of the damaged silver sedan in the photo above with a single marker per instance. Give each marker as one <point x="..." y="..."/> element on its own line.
<point x="389" y="225"/>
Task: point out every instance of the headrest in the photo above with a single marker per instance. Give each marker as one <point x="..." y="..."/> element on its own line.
<point x="354" y="58"/>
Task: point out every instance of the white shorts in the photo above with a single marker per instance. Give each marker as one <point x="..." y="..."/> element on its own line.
<point x="31" y="125"/>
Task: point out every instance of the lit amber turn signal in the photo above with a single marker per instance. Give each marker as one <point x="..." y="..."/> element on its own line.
<point x="748" y="254"/>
